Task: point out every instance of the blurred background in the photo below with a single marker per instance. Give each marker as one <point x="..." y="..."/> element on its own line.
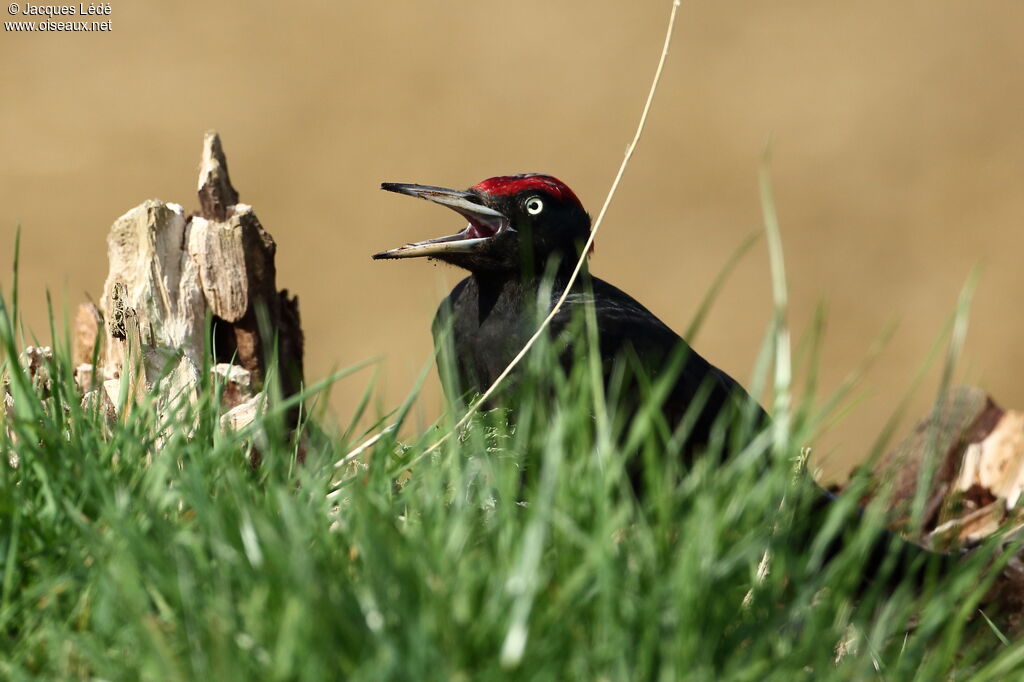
<point x="897" y="132"/>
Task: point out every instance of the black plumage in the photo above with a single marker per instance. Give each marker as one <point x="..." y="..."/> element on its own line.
<point x="490" y="317"/>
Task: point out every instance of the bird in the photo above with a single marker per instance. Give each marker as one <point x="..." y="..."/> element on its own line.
<point x="525" y="235"/>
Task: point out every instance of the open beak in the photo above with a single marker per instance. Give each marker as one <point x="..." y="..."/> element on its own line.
<point x="484" y="222"/>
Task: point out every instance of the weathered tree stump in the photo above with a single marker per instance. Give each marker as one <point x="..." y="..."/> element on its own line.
<point x="170" y="273"/>
<point x="974" y="450"/>
<point x="969" y="455"/>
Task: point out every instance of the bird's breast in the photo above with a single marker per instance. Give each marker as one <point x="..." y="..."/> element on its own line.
<point x="489" y="323"/>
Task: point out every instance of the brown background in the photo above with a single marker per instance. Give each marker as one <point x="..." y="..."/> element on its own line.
<point x="897" y="129"/>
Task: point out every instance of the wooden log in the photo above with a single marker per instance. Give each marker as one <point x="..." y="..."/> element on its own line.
<point x="936" y="441"/>
<point x="235" y="382"/>
<point x="169" y="273"/>
<point x="35" y="361"/>
<point x="975" y="449"/>
<point x="243" y="414"/>
<point x="235" y="256"/>
<point x="154" y="282"/>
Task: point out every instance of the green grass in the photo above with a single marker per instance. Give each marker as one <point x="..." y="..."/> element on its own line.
<point x="148" y="548"/>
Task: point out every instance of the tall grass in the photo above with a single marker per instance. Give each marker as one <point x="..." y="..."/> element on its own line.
<point x="518" y="550"/>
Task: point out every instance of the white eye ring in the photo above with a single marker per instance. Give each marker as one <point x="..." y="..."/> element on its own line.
<point x="534" y="205"/>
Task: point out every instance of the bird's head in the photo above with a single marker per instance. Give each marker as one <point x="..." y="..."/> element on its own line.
<point x="513" y="220"/>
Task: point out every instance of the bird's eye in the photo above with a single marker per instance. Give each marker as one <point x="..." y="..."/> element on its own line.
<point x="534" y="205"/>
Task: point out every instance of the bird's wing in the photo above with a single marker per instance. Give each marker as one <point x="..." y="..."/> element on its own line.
<point x="631" y="333"/>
